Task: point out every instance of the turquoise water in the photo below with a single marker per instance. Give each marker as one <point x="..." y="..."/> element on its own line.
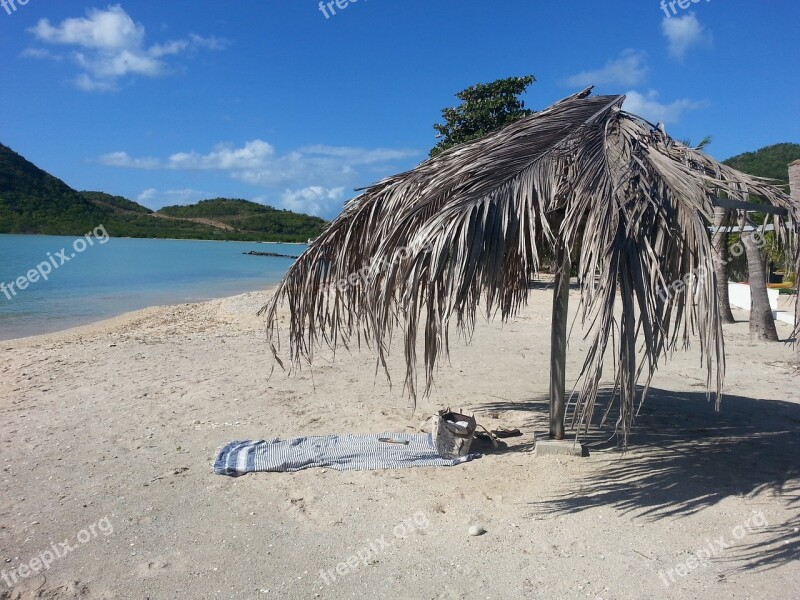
<point x="116" y="275"/>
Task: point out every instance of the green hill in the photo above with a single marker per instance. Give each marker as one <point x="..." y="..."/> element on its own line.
<point x="33" y="201"/>
<point x="770" y="161"/>
<point x="242" y="215"/>
<point x="103" y="199"/>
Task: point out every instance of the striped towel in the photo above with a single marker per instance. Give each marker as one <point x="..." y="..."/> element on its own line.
<point x="340" y="452"/>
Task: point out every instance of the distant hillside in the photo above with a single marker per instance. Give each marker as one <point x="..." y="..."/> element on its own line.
<point x="770" y="161"/>
<point x="243" y="215"/>
<point x="103" y="199"/>
<point x="33" y="201"/>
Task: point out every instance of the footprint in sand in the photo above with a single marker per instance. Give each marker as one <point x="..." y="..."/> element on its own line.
<point x="303" y="505"/>
<point x="39" y="589"/>
<point x="174" y="562"/>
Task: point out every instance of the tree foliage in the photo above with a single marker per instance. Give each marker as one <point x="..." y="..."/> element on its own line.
<point x="119" y="202"/>
<point x="485" y="107"/>
<point x="770" y="161"/>
<point x="250" y="216"/>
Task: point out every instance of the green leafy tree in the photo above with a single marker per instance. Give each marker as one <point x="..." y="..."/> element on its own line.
<point x="485" y="107"/>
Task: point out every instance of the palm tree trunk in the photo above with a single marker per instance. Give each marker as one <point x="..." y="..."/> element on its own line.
<point x="558" y="342"/>
<point x="762" y="323"/>
<point x="720" y="243"/>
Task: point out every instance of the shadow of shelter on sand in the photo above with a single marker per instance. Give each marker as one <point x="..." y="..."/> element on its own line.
<point x="683" y="457"/>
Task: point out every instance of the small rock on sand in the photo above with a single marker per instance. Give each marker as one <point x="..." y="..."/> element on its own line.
<point x="476" y="530"/>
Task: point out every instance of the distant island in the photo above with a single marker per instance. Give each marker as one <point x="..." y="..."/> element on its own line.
<point x="34" y="202"/>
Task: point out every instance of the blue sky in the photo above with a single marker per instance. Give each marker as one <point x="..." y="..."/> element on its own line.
<point x="175" y="101"/>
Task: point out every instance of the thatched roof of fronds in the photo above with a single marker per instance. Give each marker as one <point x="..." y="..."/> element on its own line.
<point x="466" y="229"/>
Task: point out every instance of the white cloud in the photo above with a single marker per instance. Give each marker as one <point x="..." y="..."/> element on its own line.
<point x="109" y="45"/>
<point x="39" y="53"/>
<point x="148" y="195"/>
<point x="108" y="67"/>
<point x="155" y="199"/>
<point x="123" y="159"/>
<point x="357" y="156"/>
<point x="312" y="179"/>
<point x="311" y="169"/>
<point x="194" y="41"/>
<point x="111" y="29"/>
<point x="253" y="155"/>
<point x="87" y="84"/>
<point x="683" y="33"/>
<point x="209" y="43"/>
<point x="648" y="106"/>
<point x="313" y="200"/>
<point x="257" y="162"/>
<point x="628" y="69"/>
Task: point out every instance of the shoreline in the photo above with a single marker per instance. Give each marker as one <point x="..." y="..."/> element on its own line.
<point x="131" y="315"/>
<point x="111" y="321"/>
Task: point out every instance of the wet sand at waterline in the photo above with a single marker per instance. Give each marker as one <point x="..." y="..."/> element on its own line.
<point x="108" y="433"/>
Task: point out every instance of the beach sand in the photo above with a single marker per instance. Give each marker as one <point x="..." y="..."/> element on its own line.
<point x="115" y="426"/>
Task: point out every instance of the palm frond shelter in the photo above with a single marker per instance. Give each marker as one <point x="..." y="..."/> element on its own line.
<point x="582" y="181"/>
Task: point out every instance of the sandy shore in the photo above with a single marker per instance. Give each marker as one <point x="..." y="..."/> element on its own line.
<point x="108" y="433"/>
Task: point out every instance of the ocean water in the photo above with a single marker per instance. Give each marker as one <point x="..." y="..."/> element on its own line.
<point x="110" y="276"/>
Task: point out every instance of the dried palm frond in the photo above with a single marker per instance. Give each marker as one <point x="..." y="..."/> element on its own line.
<point x="424" y="248"/>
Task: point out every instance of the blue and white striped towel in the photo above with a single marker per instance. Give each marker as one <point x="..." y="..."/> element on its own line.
<point x="340" y="452"/>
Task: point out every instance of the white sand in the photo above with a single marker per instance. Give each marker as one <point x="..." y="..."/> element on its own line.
<point x="118" y="423"/>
